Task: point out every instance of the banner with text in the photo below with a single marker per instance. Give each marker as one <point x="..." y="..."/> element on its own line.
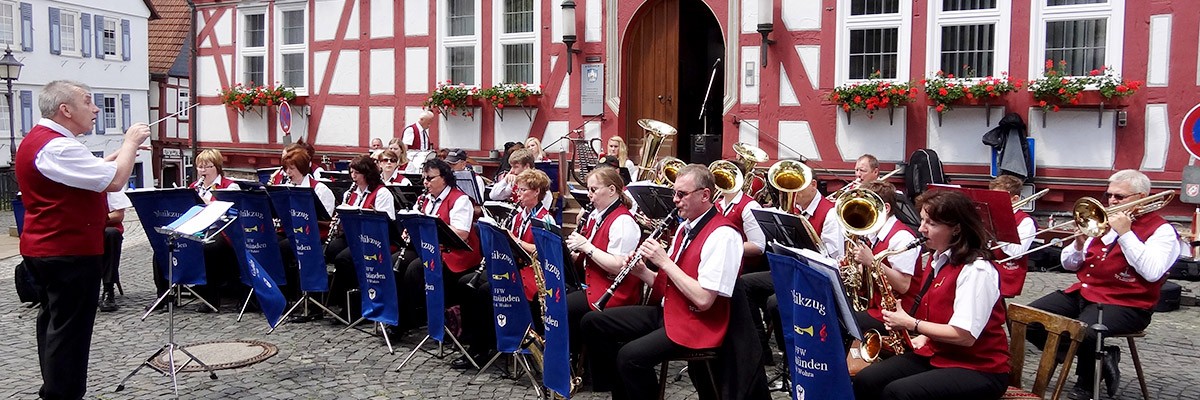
<point x="509" y="308"/>
<point x="367" y="237"/>
<point x="557" y="360"/>
<point x="270" y="298"/>
<point x="300" y="225"/>
<point x="423" y="231"/>
<point x="813" y="337"/>
<point x="257" y="231"/>
<point x="158" y="208"/>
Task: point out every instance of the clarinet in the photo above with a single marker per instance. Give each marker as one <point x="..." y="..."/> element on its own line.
<point x="659" y="229"/>
<point x="335" y="222"/>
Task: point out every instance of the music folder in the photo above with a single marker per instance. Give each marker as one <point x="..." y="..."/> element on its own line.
<point x="580" y="196"/>
<point x="787" y="229"/>
<point x="995" y="209"/>
<point x="446" y="236"/>
<point x="499" y="210"/>
<point x="828" y="268"/>
<point x="521" y="256"/>
<point x="656" y="201"/>
<point x="195" y="223"/>
<point x="465" y="180"/>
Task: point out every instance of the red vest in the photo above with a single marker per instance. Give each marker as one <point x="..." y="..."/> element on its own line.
<point x="59" y="220"/>
<point x="460" y="260"/>
<point x="521" y="229"/>
<point x="597" y="279"/>
<point x="1012" y="273"/>
<point x="119" y="225"/>
<point x="818" y="218"/>
<point x="416" y="144"/>
<point x="221" y="184"/>
<point x="914" y="283"/>
<point x="1110" y="279"/>
<point x="397" y="176"/>
<point x="368" y="202"/>
<point x="685" y="324"/>
<point x="990" y="351"/>
<point x="278" y="177"/>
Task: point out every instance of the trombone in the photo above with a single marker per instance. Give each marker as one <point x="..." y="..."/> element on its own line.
<point x="858" y="182"/>
<point x="1091" y="217"/>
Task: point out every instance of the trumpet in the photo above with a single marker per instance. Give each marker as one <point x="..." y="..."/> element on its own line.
<point x="658" y="232"/>
<point x="1091" y="217"/>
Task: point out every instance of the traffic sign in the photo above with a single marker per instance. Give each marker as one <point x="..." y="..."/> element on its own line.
<point x="1189" y="131"/>
<point x="285" y="117"/>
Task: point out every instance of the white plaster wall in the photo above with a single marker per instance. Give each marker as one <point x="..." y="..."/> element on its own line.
<point x="416" y="17"/>
<point x="959" y="139"/>
<point x="207" y="77"/>
<point x="810" y="58"/>
<point x="1158" y="137"/>
<point x="339" y="126"/>
<point x="1070" y="139"/>
<point x="416" y="70"/>
<point x="797" y="135"/>
<point x="382" y="71"/>
<point x="300" y="123"/>
<point x="555" y="130"/>
<point x="591" y="30"/>
<point x="326" y="14"/>
<point x="513" y="128"/>
<point x="750" y="15"/>
<point x="352" y="31"/>
<point x="556" y="25"/>
<point x="871" y="135"/>
<point x="319" y="64"/>
<point x="564" y="93"/>
<point x="787" y="95"/>
<point x="1160" y="50"/>
<point x="223" y="29"/>
<point x="252" y="128"/>
<point x="345" y="76"/>
<point x="214" y="128"/>
<point x="747" y="133"/>
<point x="460" y="132"/>
<point x="382" y="122"/>
<point x="410" y="117"/>
<point x="802" y="15"/>
<point x="750" y="93"/>
<point x="383" y="19"/>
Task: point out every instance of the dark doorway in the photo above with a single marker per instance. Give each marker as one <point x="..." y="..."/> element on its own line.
<point x="700" y="47"/>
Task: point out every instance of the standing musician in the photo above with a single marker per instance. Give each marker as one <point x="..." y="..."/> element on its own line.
<point x="960" y="348"/>
<point x="1012" y="273"/>
<point x="736" y="207"/>
<point x="505" y="188"/>
<point x="416" y="136"/>
<point x="694" y="281"/>
<point x="446" y="202"/>
<point x="608" y="236"/>
<point x="900" y="269"/>
<point x="1123" y="270"/>
<point x="367" y="192"/>
<point x="532" y="185"/>
<point x="220" y="261"/>
<point x="389" y="168"/>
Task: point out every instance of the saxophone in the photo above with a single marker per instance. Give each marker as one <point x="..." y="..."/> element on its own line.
<point x="898" y="340"/>
<point x="533" y="341"/>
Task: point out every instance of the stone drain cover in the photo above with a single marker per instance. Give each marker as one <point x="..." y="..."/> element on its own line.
<point x="220" y="355"/>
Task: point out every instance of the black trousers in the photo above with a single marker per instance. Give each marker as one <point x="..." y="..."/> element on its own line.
<point x="410" y="288"/>
<point x="478" y="315"/>
<point x="910" y="377"/>
<point x="760" y="293"/>
<point x="220" y="270"/>
<point x="344" y="275"/>
<point x="109" y="273"/>
<point x="1118" y="319"/>
<point x="577" y="307"/>
<point x="640" y="341"/>
<point x="70" y="290"/>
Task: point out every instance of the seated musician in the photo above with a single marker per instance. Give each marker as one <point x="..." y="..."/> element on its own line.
<point x="695" y="279"/>
<point x="220" y="263"/>
<point x="900" y="269"/>
<point x="366" y="192"/>
<point x="605" y="238"/>
<point x="458" y="161"/>
<point x="503" y="190"/>
<point x="866" y="169"/>
<point x="532" y="185"/>
<point x="279" y="177"/>
<point x="618" y="149"/>
<point x="446" y="202"/>
<point x="389" y="168"/>
<point x="1012" y="273"/>
<point x="960" y="350"/>
<point x="297" y="167"/>
<point x="736" y="207"/>
<point x="401" y="151"/>
<point x="823" y="218"/>
<point x="114" y="234"/>
<point x="534" y="146"/>
<point x="1124" y="270"/>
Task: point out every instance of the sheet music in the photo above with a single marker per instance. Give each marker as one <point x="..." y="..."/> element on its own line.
<point x="200" y="222"/>
<point x="829" y="268"/>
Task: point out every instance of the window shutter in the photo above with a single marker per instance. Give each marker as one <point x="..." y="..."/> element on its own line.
<point x="98" y="99"/>
<point x="26" y="111"/>
<point x="55" y="32"/>
<point x="125" y="40"/>
<point x="125" y="115"/>
<point x="85" y="23"/>
<point x="100" y="41"/>
<point x="26" y="27"/>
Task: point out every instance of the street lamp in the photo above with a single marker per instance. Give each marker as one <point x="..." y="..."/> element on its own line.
<point x="569" y="37"/>
<point x="766" y="24"/>
<point x="10" y="69"/>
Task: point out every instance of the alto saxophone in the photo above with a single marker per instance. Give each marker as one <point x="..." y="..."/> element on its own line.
<point x="533" y="341"/>
<point x="874" y="342"/>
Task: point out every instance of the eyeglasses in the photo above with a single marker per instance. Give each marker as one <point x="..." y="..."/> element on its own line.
<point x="430" y="178"/>
<point x="522" y="190"/>
<point x="681" y="194"/>
<point x="382" y="160"/>
<point x="1118" y="197"/>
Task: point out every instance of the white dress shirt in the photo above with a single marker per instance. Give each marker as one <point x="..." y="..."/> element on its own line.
<point x="118" y="201"/>
<point x="1025" y="229"/>
<point x="68" y="161"/>
<point x="1151" y="259"/>
<point x="905" y="262"/>
<point x="832" y="233"/>
<point x="206" y="192"/>
<point x="720" y="258"/>
<point x="461" y="212"/>
<point x="624" y="234"/>
<point x="750" y="228"/>
<point x="976" y="292"/>
<point x="383" y="200"/>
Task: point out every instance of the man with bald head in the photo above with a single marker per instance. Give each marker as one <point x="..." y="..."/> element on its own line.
<point x="416" y="136"/>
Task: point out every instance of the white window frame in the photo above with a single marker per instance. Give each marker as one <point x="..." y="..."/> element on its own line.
<point x="1000" y="17"/>
<point x="282" y="49"/>
<point x="243" y="48"/>
<point x="901" y="20"/>
<point x="116" y="113"/>
<point x="1113" y="11"/>
<point x="116" y="39"/>
<point x="500" y="39"/>
<point x="17" y="44"/>
<point x="5" y="117"/>
<point x="183" y="100"/>
<point x="72" y="16"/>
<point x="447" y="41"/>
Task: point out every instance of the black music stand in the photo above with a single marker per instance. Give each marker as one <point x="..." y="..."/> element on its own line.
<point x="417" y="179"/>
<point x="500" y="211"/>
<point x="655" y="201"/>
<point x="994" y="208"/>
<point x="285" y="221"/>
<point x="465" y="180"/>
<point x="406" y="195"/>
<point x="786" y="229"/>
<point x="448" y="240"/>
<point x="202" y="224"/>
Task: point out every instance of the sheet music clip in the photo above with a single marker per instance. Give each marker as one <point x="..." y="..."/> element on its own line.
<point x="653" y="200"/>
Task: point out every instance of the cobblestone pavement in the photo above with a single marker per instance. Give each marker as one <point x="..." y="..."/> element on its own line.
<point x="316" y="361"/>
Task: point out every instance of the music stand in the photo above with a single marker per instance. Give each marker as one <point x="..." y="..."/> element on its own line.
<point x="465" y="180"/>
<point x="499" y="210"/>
<point x="581" y="197"/>
<point x="202" y="224"/>
<point x="406" y="196"/>
<point x="785" y="228"/>
<point x="449" y="240"/>
<point x="392" y="231"/>
<point x="655" y="201"/>
<point x="257" y="189"/>
<point x="286" y="223"/>
<point x="520" y="257"/>
<point x="827" y="267"/>
<point x="417" y="178"/>
<point x="994" y="208"/>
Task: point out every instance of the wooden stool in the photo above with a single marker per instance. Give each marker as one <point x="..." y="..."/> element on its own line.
<point x="707" y="356"/>
<point x="1137" y="362"/>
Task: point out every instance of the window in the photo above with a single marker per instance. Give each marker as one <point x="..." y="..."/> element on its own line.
<point x="293" y="27"/>
<point x="4" y="117"/>
<point x="515" y="37"/>
<point x="293" y="47"/>
<point x="252" y="67"/>
<point x="252" y="46"/>
<point x="971" y="37"/>
<point x="874" y="39"/>
<point x="459" y="55"/>
<point x="255" y="30"/>
<point x="462" y="65"/>
<point x="293" y="70"/>
<point x="462" y="18"/>
<point x="111" y="115"/>
<point x="185" y="101"/>
<point x="68" y="34"/>
<point x="1087" y="34"/>
<point x="110" y="38"/>
<point x="8" y="26"/>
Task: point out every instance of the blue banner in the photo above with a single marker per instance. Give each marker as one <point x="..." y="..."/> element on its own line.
<point x="367" y="237"/>
<point x="423" y="231"/>
<point x="300" y="225"/>
<point x="158" y="208"/>
<point x="254" y="232"/>
<point x="509" y="307"/>
<point x="270" y="298"/>
<point x="809" y="313"/>
<point x="556" y="371"/>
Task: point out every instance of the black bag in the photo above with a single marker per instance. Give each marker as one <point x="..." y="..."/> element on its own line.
<point x="27" y="288"/>
<point x="924" y="167"/>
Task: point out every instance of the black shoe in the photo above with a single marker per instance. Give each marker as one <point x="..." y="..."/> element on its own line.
<point x="463" y="363"/>
<point x="107" y="302"/>
<point x="1110" y="373"/>
<point x="302" y="318"/>
<point x="1080" y="393"/>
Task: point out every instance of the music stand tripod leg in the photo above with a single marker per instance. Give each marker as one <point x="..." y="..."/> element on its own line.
<point x="201" y="298"/>
<point x="211" y="374"/>
<point x="328" y="311"/>
<point x="244" y="304"/>
<point x="486" y="366"/>
<point x="386" y="339"/>
<point x="283" y="319"/>
<point x="121" y="386"/>
<point x="460" y="348"/>
<point x="520" y="358"/>
<point x="154" y="305"/>
<point x="413" y="353"/>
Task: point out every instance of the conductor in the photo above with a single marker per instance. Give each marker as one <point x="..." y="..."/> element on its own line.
<point x="63" y="187"/>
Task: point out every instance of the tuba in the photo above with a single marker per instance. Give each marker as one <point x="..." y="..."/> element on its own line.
<point x="656" y="132"/>
<point x="789" y="177"/>
<point x="861" y="213"/>
<point x="727" y="177"/>
<point x="748" y="156"/>
<point x="668" y="169"/>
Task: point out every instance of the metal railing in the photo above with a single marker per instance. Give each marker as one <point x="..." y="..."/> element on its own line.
<point x="8" y="187"/>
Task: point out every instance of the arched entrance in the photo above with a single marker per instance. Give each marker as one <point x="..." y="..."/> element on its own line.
<point x="669" y="53"/>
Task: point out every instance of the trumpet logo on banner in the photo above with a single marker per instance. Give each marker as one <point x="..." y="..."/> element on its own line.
<point x="557" y="362"/>
<point x="818" y="365"/>
<point x="508" y="295"/>
<point x="373" y="264"/>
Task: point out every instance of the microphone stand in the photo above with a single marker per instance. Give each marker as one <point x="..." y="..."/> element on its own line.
<point x="576" y="129"/>
<point x="708" y="92"/>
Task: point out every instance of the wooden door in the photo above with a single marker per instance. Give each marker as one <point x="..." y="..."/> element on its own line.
<point x="651" y="70"/>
